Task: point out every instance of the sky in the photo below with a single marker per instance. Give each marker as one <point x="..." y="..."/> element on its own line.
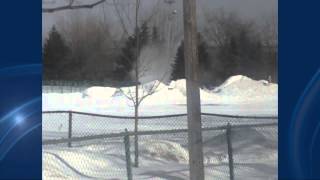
<point x="252" y="9"/>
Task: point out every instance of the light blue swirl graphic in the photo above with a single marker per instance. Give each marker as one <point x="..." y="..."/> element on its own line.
<point x="301" y="129"/>
<point x="11" y="132"/>
<point x="20" y="108"/>
<point x="21" y="70"/>
<point x="313" y="140"/>
<point x="9" y="147"/>
<point x="13" y="125"/>
<point x="9" y="122"/>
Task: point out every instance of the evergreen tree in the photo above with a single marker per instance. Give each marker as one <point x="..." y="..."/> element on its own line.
<point x="203" y="53"/>
<point x="178" y="70"/>
<point x="144" y="35"/>
<point x="127" y="58"/>
<point x="55" y="56"/>
<point x="155" y="35"/>
<point x="179" y="65"/>
<point x="228" y="54"/>
<point x="241" y="54"/>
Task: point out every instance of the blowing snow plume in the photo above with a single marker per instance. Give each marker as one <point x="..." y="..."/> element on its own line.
<point x="154" y="63"/>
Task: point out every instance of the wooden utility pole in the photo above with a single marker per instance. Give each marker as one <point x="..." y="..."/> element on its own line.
<point x="193" y="93"/>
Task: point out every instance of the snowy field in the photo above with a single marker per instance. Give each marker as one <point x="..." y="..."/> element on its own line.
<point x="162" y="156"/>
<point x="239" y="95"/>
<point x="166" y="157"/>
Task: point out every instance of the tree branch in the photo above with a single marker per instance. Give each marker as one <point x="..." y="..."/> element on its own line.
<point x="120" y="18"/>
<point x="71" y="6"/>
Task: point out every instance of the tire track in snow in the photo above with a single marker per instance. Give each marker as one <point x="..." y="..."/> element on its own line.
<point x="70" y="167"/>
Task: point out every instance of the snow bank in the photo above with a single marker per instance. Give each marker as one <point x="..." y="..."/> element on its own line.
<point x="83" y="164"/>
<point x="99" y="92"/>
<point x="53" y="169"/>
<point x="237" y="90"/>
<point x="165" y="95"/>
<point x="244" y="139"/>
<point x="243" y="89"/>
<point x="165" y="150"/>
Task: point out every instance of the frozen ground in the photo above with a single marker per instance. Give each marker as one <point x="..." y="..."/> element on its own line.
<point x="162" y="156"/>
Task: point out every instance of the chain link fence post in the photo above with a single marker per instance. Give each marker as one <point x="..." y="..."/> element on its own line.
<point x="230" y="153"/>
<point x="70" y="128"/>
<point x="128" y="157"/>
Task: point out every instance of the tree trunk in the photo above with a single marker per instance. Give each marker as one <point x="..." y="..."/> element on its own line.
<point x="136" y="107"/>
<point x="193" y="94"/>
<point x="136" y="140"/>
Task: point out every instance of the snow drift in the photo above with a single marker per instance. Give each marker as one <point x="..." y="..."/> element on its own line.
<point x="99" y="92"/>
<point x="237" y="90"/>
<point x="165" y="150"/>
<point x="243" y="89"/>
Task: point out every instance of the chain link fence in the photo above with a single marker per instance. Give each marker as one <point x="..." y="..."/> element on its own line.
<point x="87" y="159"/>
<point x="90" y="146"/>
<point x="255" y="151"/>
<point x="57" y="124"/>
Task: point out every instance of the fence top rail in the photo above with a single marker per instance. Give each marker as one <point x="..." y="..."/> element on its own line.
<point x="160" y="116"/>
<point x="114" y="116"/>
<point x="122" y="134"/>
<point x="239" y="116"/>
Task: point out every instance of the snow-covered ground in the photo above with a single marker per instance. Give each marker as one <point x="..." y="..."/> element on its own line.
<point x="166" y="157"/>
<point x="239" y="95"/>
<point x="162" y="156"/>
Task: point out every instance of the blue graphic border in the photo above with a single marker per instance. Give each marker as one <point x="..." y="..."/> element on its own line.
<point x="20" y="90"/>
<point x="299" y="90"/>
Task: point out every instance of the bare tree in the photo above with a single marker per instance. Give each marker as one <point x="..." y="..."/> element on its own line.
<point x="136" y="97"/>
<point x="141" y="92"/>
<point x="140" y="66"/>
<point x="222" y="25"/>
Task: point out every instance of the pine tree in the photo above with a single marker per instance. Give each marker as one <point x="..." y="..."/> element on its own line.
<point x="178" y="70"/>
<point x="144" y="35"/>
<point x="242" y="54"/>
<point x="55" y="56"/>
<point x="228" y="55"/>
<point x="127" y="58"/>
<point x="155" y="35"/>
<point x="179" y="65"/>
<point x="203" y="53"/>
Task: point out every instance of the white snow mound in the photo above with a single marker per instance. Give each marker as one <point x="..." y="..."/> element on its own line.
<point x="243" y="89"/>
<point x="165" y="150"/>
<point x="237" y="90"/>
<point x="99" y="92"/>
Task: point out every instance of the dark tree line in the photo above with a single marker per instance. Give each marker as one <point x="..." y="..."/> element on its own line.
<point x="241" y="54"/>
<point x="125" y="62"/>
<point x="238" y="46"/>
<point x="178" y="71"/>
<point x="227" y="46"/>
<point x="90" y="59"/>
<point x="57" y="59"/>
